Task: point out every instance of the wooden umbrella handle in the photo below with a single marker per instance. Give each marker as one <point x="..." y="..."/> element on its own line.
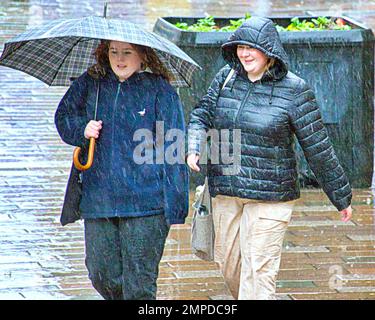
<point x="90" y="158"/>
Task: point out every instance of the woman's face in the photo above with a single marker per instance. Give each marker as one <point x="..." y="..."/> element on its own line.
<point x="124" y="59"/>
<point x="253" y="60"/>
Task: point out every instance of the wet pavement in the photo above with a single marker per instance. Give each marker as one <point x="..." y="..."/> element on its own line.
<point x="323" y="258"/>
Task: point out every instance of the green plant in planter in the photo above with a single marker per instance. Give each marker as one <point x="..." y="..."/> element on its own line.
<point x="208" y="24"/>
<point x="235" y="24"/>
<point x="321" y="23"/>
<point x="203" y="25"/>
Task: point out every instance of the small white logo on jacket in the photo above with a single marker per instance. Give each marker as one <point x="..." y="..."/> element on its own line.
<point x="142" y="113"/>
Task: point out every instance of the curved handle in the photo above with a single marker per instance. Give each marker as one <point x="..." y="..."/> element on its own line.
<point x="90" y="158"/>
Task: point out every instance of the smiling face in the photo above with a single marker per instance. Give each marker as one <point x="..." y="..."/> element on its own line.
<point x="124" y="59"/>
<point x="253" y="60"/>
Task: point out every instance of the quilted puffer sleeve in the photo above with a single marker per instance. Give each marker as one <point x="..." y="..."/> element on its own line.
<point x="312" y="135"/>
<point x="202" y="115"/>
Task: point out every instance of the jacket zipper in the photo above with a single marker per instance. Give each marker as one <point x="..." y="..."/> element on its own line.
<point x="113" y="135"/>
<point x="235" y="124"/>
<point x="242" y="105"/>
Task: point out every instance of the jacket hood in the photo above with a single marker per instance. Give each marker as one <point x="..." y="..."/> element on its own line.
<point x="259" y="33"/>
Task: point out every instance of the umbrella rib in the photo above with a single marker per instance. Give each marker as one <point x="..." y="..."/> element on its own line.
<point x="63" y="60"/>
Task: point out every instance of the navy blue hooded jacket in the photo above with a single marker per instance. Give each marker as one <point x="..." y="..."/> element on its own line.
<point x="116" y="185"/>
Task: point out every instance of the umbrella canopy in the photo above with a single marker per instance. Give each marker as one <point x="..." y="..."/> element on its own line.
<point x="61" y="50"/>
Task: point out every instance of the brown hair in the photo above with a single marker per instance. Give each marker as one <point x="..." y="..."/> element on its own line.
<point x="147" y="54"/>
<point x="271" y="62"/>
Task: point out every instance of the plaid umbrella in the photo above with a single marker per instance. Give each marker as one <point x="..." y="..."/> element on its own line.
<point x="63" y="49"/>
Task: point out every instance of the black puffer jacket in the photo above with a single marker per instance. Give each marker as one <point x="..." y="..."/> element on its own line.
<point x="269" y="112"/>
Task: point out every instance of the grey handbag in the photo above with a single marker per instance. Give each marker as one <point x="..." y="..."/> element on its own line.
<point x="202" y="229"/>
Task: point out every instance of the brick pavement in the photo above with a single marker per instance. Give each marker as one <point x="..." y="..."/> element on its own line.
<point x="322" y="257"/>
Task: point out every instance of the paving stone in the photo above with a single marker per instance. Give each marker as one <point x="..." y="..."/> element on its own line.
<point x="48" y="294"/>
<point x="303" y="274"/>
<point x="4" y="217"/>
<point x="332" y="296"/>
<point x="221" y="297"/>
<point x="12" y="259"/>
<point x="359" y="237"/>
<point x="320" y="223"/>
<point x="311" y="209"/>
<point x="7" y="269"/>
<point x="359" y="259"/>
<point x="299" y="249"/>
<point x="357" y="289"/>
<point x="81" y="294"/>
<point x="4" y="295"/>
<point x="198" y="274"/>
<point x="355" y="270"/>
<point x="295" y="284"/>
<point x="189" y="257"/>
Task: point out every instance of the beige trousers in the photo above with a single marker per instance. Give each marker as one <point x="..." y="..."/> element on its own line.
<point x="248" y="240"/>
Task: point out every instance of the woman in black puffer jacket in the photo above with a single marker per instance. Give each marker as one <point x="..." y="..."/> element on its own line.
<point x="253" y="197"/>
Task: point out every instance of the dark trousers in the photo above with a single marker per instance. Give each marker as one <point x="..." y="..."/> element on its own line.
<point x="123" y="255"/>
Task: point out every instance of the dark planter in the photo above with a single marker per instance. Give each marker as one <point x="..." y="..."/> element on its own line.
<point x="338" y="65"/>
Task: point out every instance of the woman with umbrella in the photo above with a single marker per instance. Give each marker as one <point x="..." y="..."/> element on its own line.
<point x="127" y="204"/>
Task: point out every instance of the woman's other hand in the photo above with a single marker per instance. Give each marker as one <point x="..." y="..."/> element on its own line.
<point x="92" y="129"/>
<point x="346" y="214"/>
<point x="192" y="160"/>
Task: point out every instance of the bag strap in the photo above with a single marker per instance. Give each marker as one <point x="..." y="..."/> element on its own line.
<point x="206" y="192"/>
<point x="229" y="76"/>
